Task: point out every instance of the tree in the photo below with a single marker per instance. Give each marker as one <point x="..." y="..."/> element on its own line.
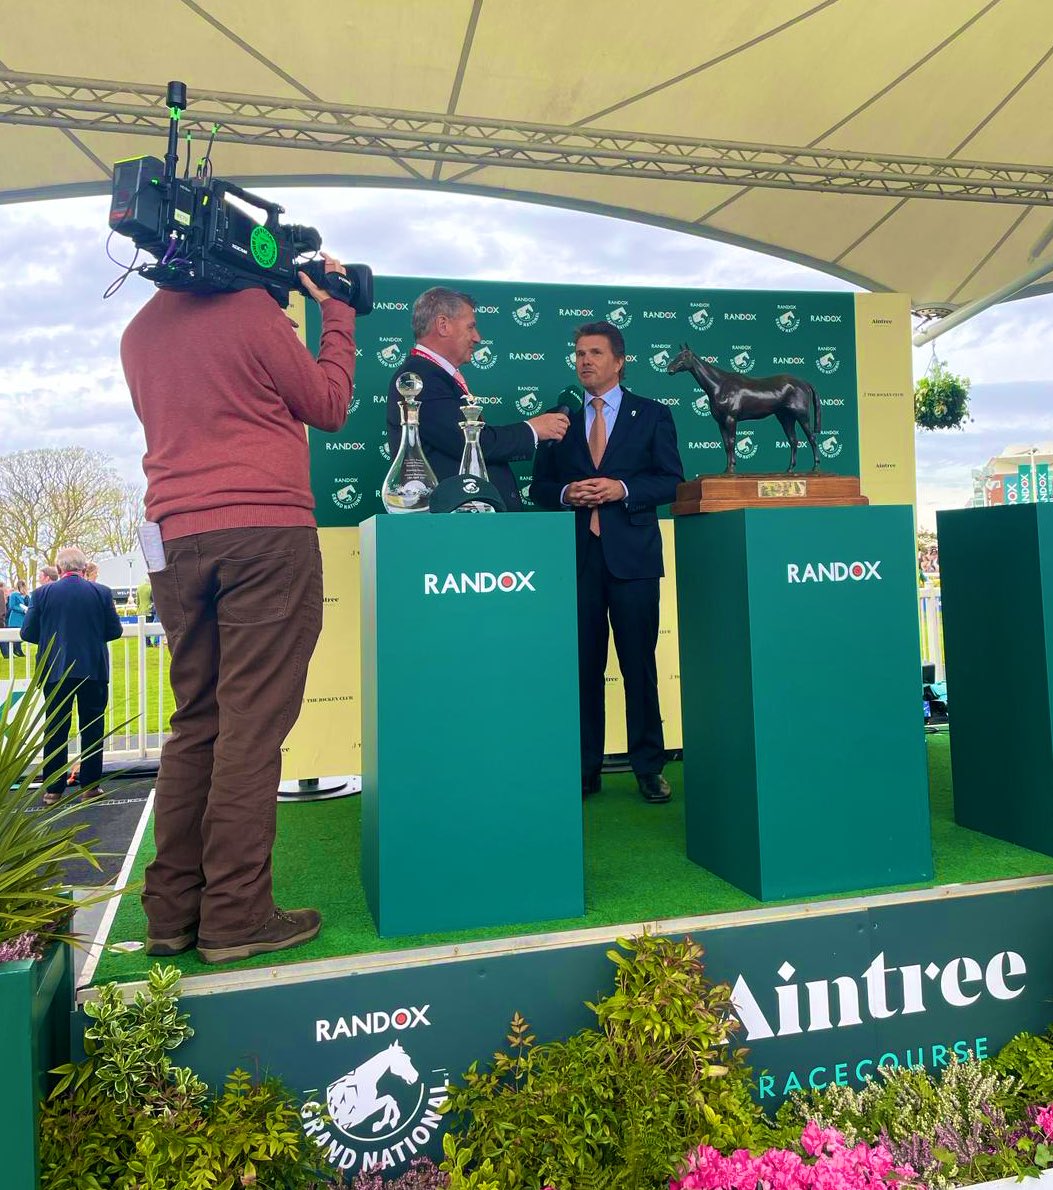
<point x="55" y="497"/>
<point x="123" y="518"/>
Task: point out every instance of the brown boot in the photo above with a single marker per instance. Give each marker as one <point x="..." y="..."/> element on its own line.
<point x="284" y="928"/>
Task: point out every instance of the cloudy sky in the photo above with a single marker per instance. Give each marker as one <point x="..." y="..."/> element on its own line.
<point x="60" y="378"/>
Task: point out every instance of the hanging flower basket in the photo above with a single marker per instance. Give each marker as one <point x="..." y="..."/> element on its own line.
<point x="941" y="400"/>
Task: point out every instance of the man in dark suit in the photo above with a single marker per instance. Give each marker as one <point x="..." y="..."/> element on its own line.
<point x="445" y="332"/>
<point x="617" y="463"/>
<point x="73" y="619"/>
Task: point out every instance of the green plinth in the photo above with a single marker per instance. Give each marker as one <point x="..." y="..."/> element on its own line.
<point x="996" y="575"/>
<point x="804" y="752"/>
<point x="471" y="777"/>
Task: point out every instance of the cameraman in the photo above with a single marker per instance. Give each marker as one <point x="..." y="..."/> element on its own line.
<point x="224" y="388"/>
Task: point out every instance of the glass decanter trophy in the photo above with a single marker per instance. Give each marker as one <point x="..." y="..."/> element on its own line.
<point x="472" y="462"/>
<point x="410" y="482"/>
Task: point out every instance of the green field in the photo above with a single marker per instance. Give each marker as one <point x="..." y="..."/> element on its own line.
<point x="124" y="689"/>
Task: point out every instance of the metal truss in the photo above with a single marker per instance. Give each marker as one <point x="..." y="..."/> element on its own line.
<point x="86" y="105"/>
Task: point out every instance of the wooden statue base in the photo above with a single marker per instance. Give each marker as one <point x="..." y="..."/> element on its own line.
<point x="720" y="493"/>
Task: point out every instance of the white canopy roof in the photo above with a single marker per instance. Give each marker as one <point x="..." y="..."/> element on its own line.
<point x="897" y="144"/>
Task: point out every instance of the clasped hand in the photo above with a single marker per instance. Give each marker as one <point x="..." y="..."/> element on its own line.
<point x="591" y="493"/>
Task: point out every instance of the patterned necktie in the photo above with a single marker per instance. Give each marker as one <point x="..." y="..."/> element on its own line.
<point x="597" y="445"/>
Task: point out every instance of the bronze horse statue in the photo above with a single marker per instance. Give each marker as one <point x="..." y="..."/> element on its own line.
<point x="734" y="398"/>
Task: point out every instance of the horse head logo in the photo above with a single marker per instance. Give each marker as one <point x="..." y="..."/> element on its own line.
<point x="354" y="1098"/>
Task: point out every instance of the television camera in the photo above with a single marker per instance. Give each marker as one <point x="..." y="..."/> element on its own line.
<point x="209" y="236"/>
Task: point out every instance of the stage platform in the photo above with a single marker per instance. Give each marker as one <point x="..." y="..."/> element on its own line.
<point x="826" y="989"/>
<point x="635" y="872"/>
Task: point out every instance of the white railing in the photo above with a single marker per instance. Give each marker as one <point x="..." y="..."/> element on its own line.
<point x="930" y="616"/>
<point x="140" y="695"/>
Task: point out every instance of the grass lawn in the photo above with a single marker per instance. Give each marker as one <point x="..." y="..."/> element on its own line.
<point x="124" y="705"/>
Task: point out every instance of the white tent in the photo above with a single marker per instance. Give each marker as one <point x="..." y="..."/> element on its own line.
<point x="896" y="144"/>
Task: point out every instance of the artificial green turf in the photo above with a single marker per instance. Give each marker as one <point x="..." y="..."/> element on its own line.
<point x="635" y="870"/>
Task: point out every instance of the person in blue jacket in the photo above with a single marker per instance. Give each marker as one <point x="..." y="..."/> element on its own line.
<point x="17" y="606"/>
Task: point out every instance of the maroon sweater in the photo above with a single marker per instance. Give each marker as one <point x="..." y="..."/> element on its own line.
<point x="223" y="388"/>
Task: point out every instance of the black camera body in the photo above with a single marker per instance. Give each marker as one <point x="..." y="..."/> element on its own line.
<point x="210" y="236"/>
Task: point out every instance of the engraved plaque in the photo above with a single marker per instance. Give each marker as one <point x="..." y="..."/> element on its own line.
<point x="768" y="489"/>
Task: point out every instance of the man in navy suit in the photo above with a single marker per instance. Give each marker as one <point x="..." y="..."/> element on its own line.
<point x="73" y="619"/>
<point x="445" y="332"/>
<point x="617" y="463"/>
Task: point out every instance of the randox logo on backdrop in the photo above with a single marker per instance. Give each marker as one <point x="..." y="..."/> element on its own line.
<point x="524" y="495"/>
<point x="830" y="444"/>
<point x="788" y="361"/>
<point x="659" y="356"/>
<point x="619" y="314"/>
<point x="742" y="357"/>
<point x="571" y="312"/>
<point x="525" y="312"/>
<point x="347" y="493"/>
<point x="787" y="319"/>
<point x="527" y="357"/>
<point x="746" y="447"/>
<point x="832" y="572"/>
<point x="666" y="314"/>
<point x="356" y="400"/>
<point x="705" y="446"/>
<point x="484" y="357"/>
<point x="528" y="403"/>
<point x="402" y="307"/>
<point x="384" y="450"/>
<point x="701" y="317"/>
<point x="827" y="363"/>
<point x="345" y="446"/>
<point x="391" y="354"/>
<point x="385" y="1108"/>
<point x="479" y="582"/>
<point x="700" y="405"/>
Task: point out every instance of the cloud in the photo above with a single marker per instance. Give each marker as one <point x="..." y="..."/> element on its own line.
<point x="60" y="375"/>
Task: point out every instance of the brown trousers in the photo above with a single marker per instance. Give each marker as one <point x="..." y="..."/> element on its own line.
<point x="242" y="609"/>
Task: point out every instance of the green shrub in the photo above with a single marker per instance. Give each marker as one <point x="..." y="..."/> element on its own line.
<point x="127" y="1118"/>
<point x="941" y="400"/>
<point x="616" y="1106"/>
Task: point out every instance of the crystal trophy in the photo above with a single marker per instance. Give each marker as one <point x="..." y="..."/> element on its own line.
<point x="472" y="461"/>
<point x="410" y="482"/>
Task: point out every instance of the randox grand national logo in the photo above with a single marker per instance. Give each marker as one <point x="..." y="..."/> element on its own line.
<point x="746" y="446"/>
<point x="827" y="361"/>
<point x="742" y="357"/>
<point x="619" y="314"/>
<point x="525" y="311"/>
<point x="830" y="444"/>
<point x="700" y="405"/>
<point x="384" y="1108"/>
<point x="528" y="403"/>
<point x="787" y="319"/>
<point x="484" y="357"/>
<point x="390" y="353"/>
<point x="347" y="493"/>
<point x="659" y="356"/>
<point x="701" y="316"/>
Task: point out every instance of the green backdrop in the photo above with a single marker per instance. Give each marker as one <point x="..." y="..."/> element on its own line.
<point x="526" y="359"/>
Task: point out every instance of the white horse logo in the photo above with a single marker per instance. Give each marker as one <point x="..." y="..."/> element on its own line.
<point x="354" y="1097"/>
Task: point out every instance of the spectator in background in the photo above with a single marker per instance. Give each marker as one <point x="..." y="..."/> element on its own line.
<point x="17" y="606"/>
<point x="91" y="572"/>
<point x="73" y="619"/>
<point x="5" y="590"/>
<point x="47" y="574"/>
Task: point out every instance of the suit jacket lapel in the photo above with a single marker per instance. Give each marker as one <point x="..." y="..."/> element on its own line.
<point x="621" y="429"/>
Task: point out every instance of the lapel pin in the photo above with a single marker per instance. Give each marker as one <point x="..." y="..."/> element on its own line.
<point x="633" y="414"/>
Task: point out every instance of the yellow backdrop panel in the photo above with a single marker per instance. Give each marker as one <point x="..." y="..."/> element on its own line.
<point x="327" y="738"/>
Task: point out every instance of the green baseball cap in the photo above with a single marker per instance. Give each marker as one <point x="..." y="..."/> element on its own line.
<point x="458" y="490"/>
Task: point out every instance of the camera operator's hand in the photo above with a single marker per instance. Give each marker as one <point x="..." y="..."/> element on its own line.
<point x="332" y="265"/>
